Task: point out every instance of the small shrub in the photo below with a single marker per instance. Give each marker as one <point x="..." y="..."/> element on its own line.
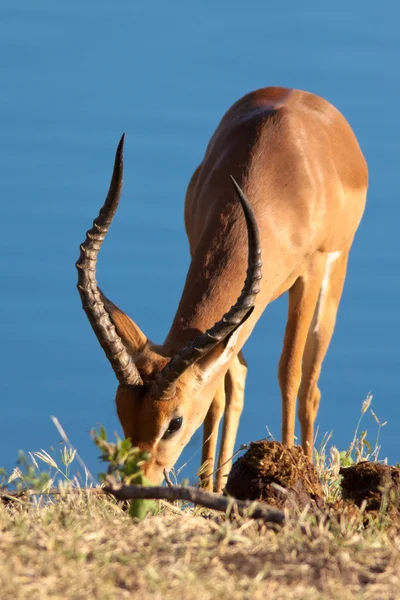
<point x="125" y="464"/>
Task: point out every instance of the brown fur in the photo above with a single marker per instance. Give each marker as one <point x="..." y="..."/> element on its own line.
<point x="304" y="174"/>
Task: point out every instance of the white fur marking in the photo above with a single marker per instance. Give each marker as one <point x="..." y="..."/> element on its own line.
<point x="225" y="356"/>
<point x="330" y="259"/>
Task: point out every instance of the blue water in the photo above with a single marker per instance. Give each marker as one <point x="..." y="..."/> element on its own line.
<point x="74" y="76"/>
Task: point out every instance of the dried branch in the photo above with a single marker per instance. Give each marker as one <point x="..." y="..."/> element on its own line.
<point x="253" y="510"/>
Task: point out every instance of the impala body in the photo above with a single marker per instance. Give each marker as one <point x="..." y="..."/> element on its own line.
<point x="300" y="182"/>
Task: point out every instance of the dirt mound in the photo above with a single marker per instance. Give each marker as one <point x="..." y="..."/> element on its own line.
<point x="377" y="485"/>
<point x="275" y="474"/>
<point x="281" y="476"/>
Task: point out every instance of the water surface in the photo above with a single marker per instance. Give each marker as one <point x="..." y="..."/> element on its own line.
<point x="74" y="76"/>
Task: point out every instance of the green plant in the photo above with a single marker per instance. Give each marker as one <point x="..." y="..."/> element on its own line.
<point x="28" y="475"/>
<point x="125" y="464"/>
<point x="360" y="448"/>
<point x="329" y="461"/>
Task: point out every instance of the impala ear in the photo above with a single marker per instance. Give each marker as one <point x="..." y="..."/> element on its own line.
<point x="214" y="361"/>
<point x="132" y="336"/>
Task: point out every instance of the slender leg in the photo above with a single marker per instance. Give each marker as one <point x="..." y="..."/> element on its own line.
<point x="303" y="297"/>
<point x="210" y="437"/>
<point x="234" y="386"/>
<point x="319" y="337"/>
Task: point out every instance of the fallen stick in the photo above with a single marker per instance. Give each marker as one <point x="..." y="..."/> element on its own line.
<point x="244" y="508"/>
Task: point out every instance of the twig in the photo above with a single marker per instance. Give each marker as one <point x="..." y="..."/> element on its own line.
<point x="65" y="439"/>
<point x="242" y="447"/>
<point x="244" y="508"/>
<point x="167" y="478"/>
<point x="217" y="502"/>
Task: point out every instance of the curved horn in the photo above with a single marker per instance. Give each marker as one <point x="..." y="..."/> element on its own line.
<point x="165" y="383"/>
<point x="124" y="368"/>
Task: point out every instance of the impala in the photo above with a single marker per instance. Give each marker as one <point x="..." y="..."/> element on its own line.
<point x="283" y="178"/>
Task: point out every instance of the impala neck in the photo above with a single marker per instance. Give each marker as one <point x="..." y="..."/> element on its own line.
<point x="216" y="276"/>
<point x="213" y="283"/>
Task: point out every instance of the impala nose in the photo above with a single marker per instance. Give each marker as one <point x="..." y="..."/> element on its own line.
<point x="154" y="472"/>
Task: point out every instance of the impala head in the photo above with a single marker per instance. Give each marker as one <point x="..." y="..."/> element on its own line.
<point x="161" y="400"/>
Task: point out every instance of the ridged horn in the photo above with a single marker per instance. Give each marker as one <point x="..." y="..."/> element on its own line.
<point x="164" y="385"/>
<point x="121" y="362"/>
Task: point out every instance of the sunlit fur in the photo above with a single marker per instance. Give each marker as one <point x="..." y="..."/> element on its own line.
<point x="145" y="419"/>
<point x="304" y="174"/>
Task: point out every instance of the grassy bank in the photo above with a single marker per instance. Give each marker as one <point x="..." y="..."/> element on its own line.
<point x="82" y="544"/>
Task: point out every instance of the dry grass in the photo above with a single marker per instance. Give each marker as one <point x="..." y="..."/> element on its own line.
<point x="83" y="546"/>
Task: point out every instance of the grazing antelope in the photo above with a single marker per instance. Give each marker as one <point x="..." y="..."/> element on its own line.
<point x="304" y="181"/>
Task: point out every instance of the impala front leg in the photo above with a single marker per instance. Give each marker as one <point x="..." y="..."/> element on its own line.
<point x="234" y="385"/>
<point x="210" y="437"/>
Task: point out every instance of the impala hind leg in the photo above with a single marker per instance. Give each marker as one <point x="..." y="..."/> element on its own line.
<point x="234" y="389"/>
<point x="303" y="297"/>
<point x="210" y="437"/>
<point x="318" y="339"/>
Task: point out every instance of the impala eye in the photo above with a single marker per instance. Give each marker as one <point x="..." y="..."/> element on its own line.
<point x="173" y="426"/>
